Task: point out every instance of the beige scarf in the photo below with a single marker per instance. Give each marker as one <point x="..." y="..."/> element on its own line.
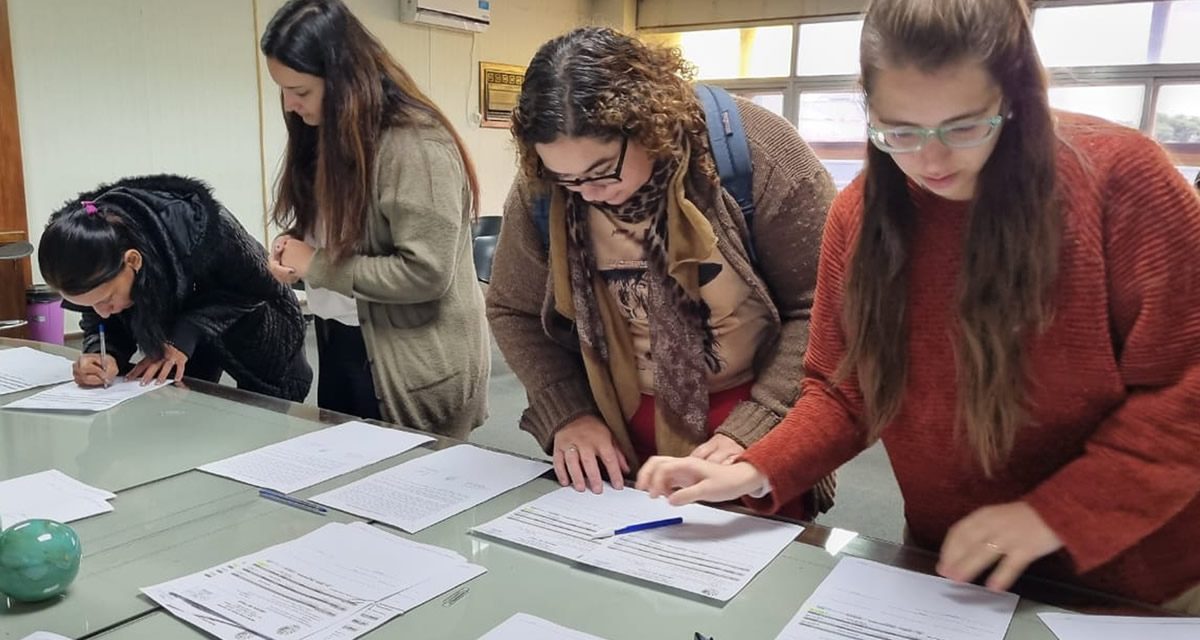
<point x="678" y="238"/>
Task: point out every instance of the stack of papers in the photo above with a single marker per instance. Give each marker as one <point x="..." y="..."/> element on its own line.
<point x="714" y="553"/>
<point x="52" y="495"/>
<point x="523" y="626"/>
<point x="24" y="368"/>
<point x="315" y="457"/>
<point x="425" y="491"/>
<point x="1073" y="626"/>
<point x="336" y="583"/>
<point x="866" y="600"/>
<point x="72" y="397"/>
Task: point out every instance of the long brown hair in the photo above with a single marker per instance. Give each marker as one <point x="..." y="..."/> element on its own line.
<point x="1012" y="242"/>
<point x="598" y="82"/>
<point x="330" y="169"/>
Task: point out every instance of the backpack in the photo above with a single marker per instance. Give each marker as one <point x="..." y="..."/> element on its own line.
<point x="731" y="153"/>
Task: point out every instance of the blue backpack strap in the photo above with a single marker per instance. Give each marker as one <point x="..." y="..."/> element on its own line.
<point x="541" y="218"/>
<point x="731" y="152"/>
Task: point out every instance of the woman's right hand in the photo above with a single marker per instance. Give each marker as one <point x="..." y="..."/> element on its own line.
<point x="90" y="371"/>
<point x="284" y="275"/>
<point x="578" y="446"/>
<point x="687" y="480"/>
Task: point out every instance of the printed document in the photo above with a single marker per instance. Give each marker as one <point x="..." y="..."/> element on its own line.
<point x="522" y="626"/>
<point x="864" y="600"/>
<point x="52" y="495"/>
<point x="25" y="368"/>
<point x="72" y="397"/>
<point x="714" y="553"/>
<point x="315" y="457"/>
<point x="429" y="489"/>
<point x="1074" y="626"/>
<point x="338" y="582"/>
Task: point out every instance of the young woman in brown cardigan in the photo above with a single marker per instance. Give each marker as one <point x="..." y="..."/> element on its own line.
<point x="642" y="324"/>
<point x="377" y="194"/>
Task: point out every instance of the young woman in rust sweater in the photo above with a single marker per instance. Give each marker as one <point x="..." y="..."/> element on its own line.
<point x="639" y="322"/>
<point x="1010" y="299"/>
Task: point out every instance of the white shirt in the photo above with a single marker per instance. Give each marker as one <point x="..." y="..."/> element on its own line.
<point x="327" y="304"/>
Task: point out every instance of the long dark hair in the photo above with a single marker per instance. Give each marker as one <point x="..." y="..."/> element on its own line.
<point x="83" y="247"/>
<point x="330" y="169"/>
<point x="597" y="82"/>
<point x="1012" y="243"/>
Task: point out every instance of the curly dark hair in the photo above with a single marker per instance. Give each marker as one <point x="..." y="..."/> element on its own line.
<point x="597" y="82"/>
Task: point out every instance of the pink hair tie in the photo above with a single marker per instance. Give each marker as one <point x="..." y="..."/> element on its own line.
<point x="90" y="207"/>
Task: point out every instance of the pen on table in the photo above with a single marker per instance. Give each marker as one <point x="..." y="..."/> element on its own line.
<point x="641" y="526"/>
<point x="299" y="503"/>
<point x="103" y="354"/>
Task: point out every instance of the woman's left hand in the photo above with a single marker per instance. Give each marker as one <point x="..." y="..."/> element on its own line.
<point x="720" y="449"/>
<point x="1010" y="536"/>
<point x="297" y="255"/>
<point x="148" y="369"/>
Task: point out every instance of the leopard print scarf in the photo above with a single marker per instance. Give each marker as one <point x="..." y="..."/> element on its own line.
<point x="682" y="344"/>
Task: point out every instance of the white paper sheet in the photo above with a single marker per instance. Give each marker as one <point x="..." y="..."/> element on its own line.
<point x="44" y="635"/>
<point x="315" y="457"/>
<point x="72" y="397"/>
<point x="25" y="368"/>
<point x="864" y="600"/>
<point x="52" y="495"/>
<point x="1074" y="626"/>
<point x="714" y="553"/>
<point x="522" y="626"/>
<point x="337" y="582"/>
<point x="425" y="491"/>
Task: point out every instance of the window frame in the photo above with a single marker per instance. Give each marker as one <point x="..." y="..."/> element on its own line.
<point x="1151" y="76"/>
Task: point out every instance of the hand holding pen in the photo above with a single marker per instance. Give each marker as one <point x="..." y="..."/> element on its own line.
<point x="95" y="369"/>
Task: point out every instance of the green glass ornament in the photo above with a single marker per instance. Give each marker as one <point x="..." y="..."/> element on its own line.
<point x="38" y="559"/>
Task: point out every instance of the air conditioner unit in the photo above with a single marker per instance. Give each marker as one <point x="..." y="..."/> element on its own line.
<point x="460" y="15"/>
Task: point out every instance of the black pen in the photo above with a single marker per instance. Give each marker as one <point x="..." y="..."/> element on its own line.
<point x="701" y="636"/>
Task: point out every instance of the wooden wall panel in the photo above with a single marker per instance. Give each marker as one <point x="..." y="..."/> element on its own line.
<point x="15" y="275"/>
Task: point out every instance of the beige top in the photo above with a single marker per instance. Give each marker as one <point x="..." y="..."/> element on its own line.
<point x="740" y="321"/>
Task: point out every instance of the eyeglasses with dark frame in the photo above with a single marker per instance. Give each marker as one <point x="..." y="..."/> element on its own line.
<point x="606" y="179"/>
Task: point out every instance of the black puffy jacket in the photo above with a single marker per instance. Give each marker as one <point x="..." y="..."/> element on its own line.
<point x="214" y="288"/>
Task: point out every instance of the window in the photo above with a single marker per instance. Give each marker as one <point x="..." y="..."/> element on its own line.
<point x="1118" y="103"/>
<point x="1177" y="125"/>
<point x="1112" y="34"/>
<point x="771" y="101"/>
<point x="828" y="48"/>
<point x="1136" y="63"/>
<point x="758" y="52"/>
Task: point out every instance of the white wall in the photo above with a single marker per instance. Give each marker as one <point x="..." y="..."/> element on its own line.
<point x="112" y="88"/>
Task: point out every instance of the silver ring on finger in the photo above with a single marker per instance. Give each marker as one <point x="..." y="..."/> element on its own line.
<point x="571" y="449"/>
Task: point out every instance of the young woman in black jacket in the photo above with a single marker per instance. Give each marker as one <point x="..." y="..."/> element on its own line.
<point x="166" y="270"/>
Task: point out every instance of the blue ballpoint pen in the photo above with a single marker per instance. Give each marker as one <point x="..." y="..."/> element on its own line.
<point x="299" y="503"/>
<point x="641" y="526"/>
<point x="103" y="353"/>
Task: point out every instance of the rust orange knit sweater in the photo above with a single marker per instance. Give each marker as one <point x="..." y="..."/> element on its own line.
<point x="1111" y="459"/>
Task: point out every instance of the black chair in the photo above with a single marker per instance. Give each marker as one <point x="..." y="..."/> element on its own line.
<point x="485" y="248"/>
